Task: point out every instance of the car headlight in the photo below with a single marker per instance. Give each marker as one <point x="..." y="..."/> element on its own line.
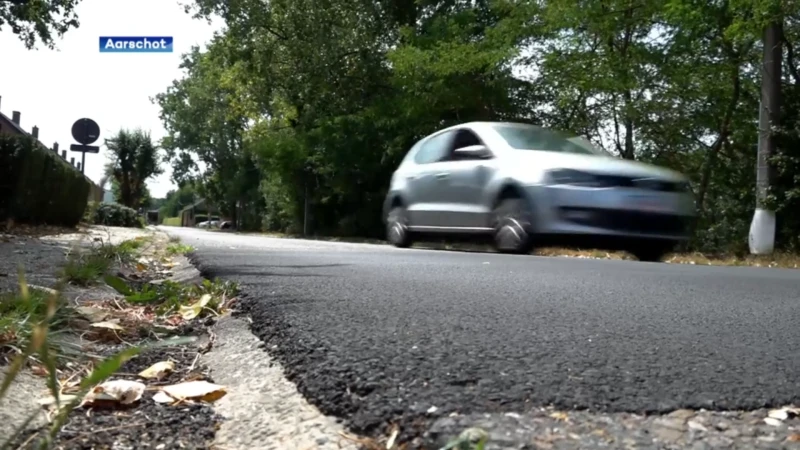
<point x="575" y="178"/>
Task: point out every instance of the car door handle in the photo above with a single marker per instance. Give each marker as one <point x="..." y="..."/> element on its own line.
<point x="442" y="175"/>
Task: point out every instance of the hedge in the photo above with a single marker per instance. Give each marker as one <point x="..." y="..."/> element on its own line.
<point x="115" y="215"/>
<point x="38" y="186"/>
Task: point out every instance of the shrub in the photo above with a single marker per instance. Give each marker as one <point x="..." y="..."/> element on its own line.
<point x="38" y="186"/>
<point x="116" y="215"/>
<point x="89" y="213"/>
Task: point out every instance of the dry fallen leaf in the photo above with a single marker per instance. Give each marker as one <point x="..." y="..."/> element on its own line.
<point x="780" y="414"/>
<point x="560" y="416"/>
<point x="93" y="314"/>
<point x="162" y="397"/>
<point x="108" y="326"/>
<point x="194" y="390"/>
<point x="122" y="391"/>
<point x="141" y="267"/>
<point x="191" y="311"/>
<point x="773" y="422"/>
<point x="158" y="370"/>
<point x="794" y="437"/>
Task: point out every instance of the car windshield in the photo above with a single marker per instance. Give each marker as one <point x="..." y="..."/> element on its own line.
<point x="530" y="137"/>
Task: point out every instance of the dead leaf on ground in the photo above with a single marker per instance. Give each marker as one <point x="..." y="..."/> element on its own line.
<point x="39" y="371"/>
<point x="93" y="314"/>
<point x="192" y="390"/>
<point x="108" y="326"/>
<point x="558" y="415"/>
<point x="189" y="312"/>
<point x="772" y="422"/>
<point x="120" y="391"/>
<point x="794" y="437"/>
<point x="158" y="370"/>
<point x="141" y="267"/>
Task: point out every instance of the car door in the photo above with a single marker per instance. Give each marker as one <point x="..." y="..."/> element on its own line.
<point x="465" y="183"/>
<point x="425" y="181"/>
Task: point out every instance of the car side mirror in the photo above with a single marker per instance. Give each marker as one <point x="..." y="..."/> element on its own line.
<point x="473" y="152"/>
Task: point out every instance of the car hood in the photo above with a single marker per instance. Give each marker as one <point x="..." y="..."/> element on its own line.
<point x="606" y="165"/>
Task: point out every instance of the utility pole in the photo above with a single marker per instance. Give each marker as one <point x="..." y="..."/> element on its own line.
<point x="762" y="228"/>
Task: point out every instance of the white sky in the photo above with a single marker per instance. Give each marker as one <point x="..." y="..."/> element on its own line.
<point x="53" y="88"/>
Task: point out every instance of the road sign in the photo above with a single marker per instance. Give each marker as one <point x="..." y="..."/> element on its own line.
<point x="85" y="131"/>
<point x="84" y="148"/>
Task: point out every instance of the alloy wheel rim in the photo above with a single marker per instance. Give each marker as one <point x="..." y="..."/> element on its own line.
<point x="510" y="234"/>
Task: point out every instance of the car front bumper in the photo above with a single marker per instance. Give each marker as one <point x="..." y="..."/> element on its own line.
<point x="613" y="212"/>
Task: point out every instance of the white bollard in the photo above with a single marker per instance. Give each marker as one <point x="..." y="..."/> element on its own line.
<point x="762" y="232"/>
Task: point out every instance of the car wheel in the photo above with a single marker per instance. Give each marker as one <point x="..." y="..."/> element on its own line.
<point x="397" y="232"/>
<point x="654" y="252"/>
<point x="513" y="223"/>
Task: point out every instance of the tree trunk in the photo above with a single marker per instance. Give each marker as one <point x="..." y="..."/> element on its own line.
<point x="770" y="102"/>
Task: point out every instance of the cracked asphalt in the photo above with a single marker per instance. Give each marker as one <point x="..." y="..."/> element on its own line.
<point x="375" y="334"/>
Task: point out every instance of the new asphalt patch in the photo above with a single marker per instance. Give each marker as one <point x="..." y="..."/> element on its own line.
<point x="377" y="335"/>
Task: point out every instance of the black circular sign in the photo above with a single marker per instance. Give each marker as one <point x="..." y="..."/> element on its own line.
<point x="85" y="131"/>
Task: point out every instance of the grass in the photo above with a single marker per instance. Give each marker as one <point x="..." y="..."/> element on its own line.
<point x="87" y="269"/>
<point x="169" y="297"/>
<point x="178" y="249"/>
<point x="172" y="221"/>
<point x="20" y="312"/>
<point x="31" y="317"/>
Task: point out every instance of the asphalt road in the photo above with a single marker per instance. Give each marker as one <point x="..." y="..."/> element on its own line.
<point x="373" y="333"/>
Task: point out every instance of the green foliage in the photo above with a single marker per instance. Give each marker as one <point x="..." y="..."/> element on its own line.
<point x="134" y="159"/>
<point x="85" y="270"/>
<point x="115" y="215"/>
<point x="37" y="186"/>
<point x="21" y="311"/>
<point x="302" y="103"/>
<point x="172" y="221"/>
<point x="38" y="20"/>
<point x="179" y="249"/>
<point x="177" y="200"/>
<point x="168" y="296"/>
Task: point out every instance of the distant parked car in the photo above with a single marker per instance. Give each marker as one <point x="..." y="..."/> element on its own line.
<point x="525" y="186"/>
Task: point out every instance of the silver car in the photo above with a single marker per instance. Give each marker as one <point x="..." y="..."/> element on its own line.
<point x="526" y="186"/>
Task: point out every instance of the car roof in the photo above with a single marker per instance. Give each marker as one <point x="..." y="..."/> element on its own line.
<point x="480" y="125"/>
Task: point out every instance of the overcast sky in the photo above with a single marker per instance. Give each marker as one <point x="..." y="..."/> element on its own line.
<point x="53" y="88"/>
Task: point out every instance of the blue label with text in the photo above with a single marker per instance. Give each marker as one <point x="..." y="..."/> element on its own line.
<point x="127" y="44"/>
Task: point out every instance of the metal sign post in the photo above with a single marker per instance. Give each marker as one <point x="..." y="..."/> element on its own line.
<point x="86" y="132"/>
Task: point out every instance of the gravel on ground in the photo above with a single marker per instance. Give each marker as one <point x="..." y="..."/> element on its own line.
<point x="546" y="428"/>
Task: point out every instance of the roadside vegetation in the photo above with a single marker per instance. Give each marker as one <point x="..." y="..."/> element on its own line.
<point x="687" y="100"/>
<point x="147" y="313"/>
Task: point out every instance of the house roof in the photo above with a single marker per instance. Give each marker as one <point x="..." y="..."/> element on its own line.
<point x="21" y="130"/>
<point x="14" y="125"/>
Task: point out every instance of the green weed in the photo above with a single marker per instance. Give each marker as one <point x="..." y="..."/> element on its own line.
<point x="21" y="311"/>
<point x="179" y="249"/>
<point x="86" y="270"/>
<point x="169" y="296"/>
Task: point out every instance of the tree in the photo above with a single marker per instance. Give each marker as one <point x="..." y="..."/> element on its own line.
<point x="134" y="159"/>
<point x="42" y="20"/>
<point x="303" y="106"/>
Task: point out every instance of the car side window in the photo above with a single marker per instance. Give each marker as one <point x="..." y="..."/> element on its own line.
<point x="434" y="149"/>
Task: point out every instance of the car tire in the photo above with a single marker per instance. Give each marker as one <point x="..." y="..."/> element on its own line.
<point x="513" y="226"/>
<point x="397" y="232"/>
<point x="652" y="252"/>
